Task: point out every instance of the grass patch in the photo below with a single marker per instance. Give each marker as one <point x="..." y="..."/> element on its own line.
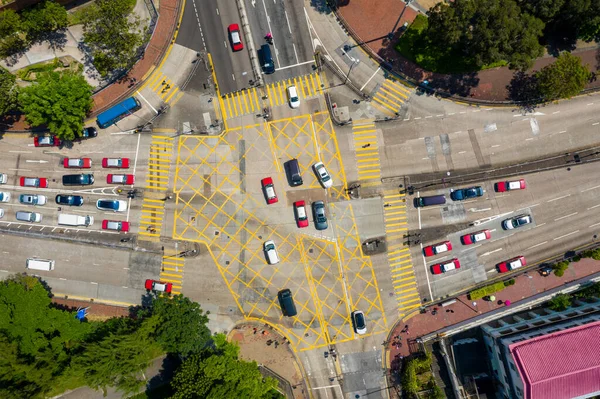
<point x="414" y="46"/>
<point x="31" y="72"/>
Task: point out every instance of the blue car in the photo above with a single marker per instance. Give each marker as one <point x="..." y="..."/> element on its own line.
<point x="71" y="200"/>
<point x="466" y="193"/>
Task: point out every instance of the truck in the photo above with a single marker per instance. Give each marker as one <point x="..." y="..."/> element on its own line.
<point x="75" y="220"/>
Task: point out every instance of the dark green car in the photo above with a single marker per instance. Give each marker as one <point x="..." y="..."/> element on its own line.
<point x="318" y="209"/>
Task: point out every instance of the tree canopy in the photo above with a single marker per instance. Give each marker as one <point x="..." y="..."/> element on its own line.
<point x="44" y="18"/>
<point x="8" y="91"/>
<point x="565" y="78"/>
<point x="11" y="37"/>
<point x="218" y="373"/>
<point x="112" y="34"/>
<point x="60" y="101"/>
<point x="486" y="31"/>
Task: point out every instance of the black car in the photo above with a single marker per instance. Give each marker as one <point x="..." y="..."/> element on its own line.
<point x="88" y="133"/>
<point x="466" y="193"/>
<point x="71" y="200"/>
<point x="84" y="179"/>
<point x="318" y="209"/>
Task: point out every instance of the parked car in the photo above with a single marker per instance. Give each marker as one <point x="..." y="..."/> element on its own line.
<point x="84" y="179"/>
<point x="503" y="186"/>
<point x="25" y="216"/>
<point x="46" y="141"/>
<point x="1" y="213"/>
<point x="77" y="163"/>
<point x="322" y="175"/>
<point x="4" y="196"/>
<point x="120" y="163"/>
<point x="472" y="238"/>
<point x="300" y="213"/>
<point x="516" y="222"/>
<point x="120" y="179"/>
<point x="32" y="199"/>
<point x="466" y="193"/>
<point x="89" y="132"/>
<point x="358" y="322"/>
<point x="445" y="266"/>
<point x="271" y="252"/>
<point x="159" y="286"/>
<point x="319" y="217"/>
<point x="33" y="182"/>
<point x="235" y="37"/>
<point x="70" y="200"/>
<point x="3" y="178"/>
<point x="292" y="94"/>
<point x="511" y="264"/>
<point x="269" y="190"/>
<point x="438" y="248"/>
<point x="111" y="205"/>
<point x="115" y="225"/>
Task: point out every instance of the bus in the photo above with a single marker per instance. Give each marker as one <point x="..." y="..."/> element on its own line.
<point x="118" y="112"/>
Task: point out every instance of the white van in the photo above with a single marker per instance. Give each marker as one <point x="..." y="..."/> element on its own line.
<point x="40" y="264"/>
<point x="75" y="220"/>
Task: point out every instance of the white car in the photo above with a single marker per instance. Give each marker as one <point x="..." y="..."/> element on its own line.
<point x="4" y="196"/>
<point x="271" y="252"/>
<point x="292" y="93"/>
<point x="358" y="322"/>
<point x="1" y="213"/>
<point x="3" y="178"/>
<point x="111" y="205"/>
<point x="322" y="175"/>
<point x="32" y="199"/>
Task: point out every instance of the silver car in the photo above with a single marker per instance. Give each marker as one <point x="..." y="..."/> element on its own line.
<point x="516" y="222"/>
<point x="25" y="216"/>
<point x="32" y="199"/>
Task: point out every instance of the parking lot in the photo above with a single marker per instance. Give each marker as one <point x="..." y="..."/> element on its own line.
<point x="220" y="202"/>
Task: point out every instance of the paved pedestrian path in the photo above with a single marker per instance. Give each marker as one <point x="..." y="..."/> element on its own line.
<point x="373" y="24"/>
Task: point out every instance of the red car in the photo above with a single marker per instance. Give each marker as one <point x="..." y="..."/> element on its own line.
<point x="159" y="286"/>
<point x="46" y="141"/>
<point x="269" y="190"/>
<point x="300" y="212"/>
<point x="120" y="179"/>
<point x="446" y="266"/>
<point x="437" y="248"/>
<point x="472" y="238"/>
<point x="115" y="225"/>
<point x="511" y="264"/>
<point x="235" y="37"/>
<point x="120" y="163"/>
<point x="77" y="163"/>
<point x="34" y="182"/>
<point x="503" y="186"/>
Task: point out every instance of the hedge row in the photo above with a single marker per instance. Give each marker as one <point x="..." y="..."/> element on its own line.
<point x="490" y="289"/>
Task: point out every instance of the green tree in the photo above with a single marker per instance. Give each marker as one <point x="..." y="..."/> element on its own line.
<point x="545" y="10"/>
<point x="218" y="373"/>
<point x="560" y="302"/>
<point x="60" y="101"/>
<point x="43" y="18"/>
<point x="11" y="36"/>
<point x="565" y="78"/>
<point x="112" y="34"/>
<point x="486" y="31"/>
<point x="118" y="360"/>
<point x="433" y="391"/>
<point x="180" y="325"/>
<point x="8" y="91"/>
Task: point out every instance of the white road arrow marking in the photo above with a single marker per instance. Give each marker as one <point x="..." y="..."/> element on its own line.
<point x="37" y="161"/>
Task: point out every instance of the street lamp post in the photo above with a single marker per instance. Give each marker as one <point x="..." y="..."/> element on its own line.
<point x="354" y="62"/>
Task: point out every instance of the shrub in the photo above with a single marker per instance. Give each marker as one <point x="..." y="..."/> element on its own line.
<point x="560" y="302"/>
<point x="596" y="254"/>
<point x="487" y="290"/>
<point x="576" y="258"/>
<point x="510" y="282"/>
<point x="560" y="267"/>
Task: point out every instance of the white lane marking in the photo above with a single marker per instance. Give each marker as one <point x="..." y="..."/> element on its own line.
<point x="566" y="235"/>
<point x="588" y="189"/>
<point x="590" y="104"/>
<point x="462" y="152"/>
<point x="595" y="206"/>
<point x="462" y="112"/>
<point x="24" y="152"/>
<point x="427" y="117"/>
<point x="473" y="247"/>
<point x="143" y="98"/>
<point x="597" y="123"/>
<point x="439" y="115"/>
<point x="556" y="199"/>
<point x="537" y="245"/>
<point x="540" y="225"/>
<point x="497" y="145"/>
<point x="372" y="76"/>
<point x="555" y="112"/>
<point x="491" y="252"/>
<point x="562" y="131"/>
<point x="566" y="216"/>
<point x="418" y="118"/>
<point x="533" y="206"/>
<point x="225" y="44"/>
<point x="531" y="138"/>
<point x="24" y="170"/>
<point x="594" y="225"/>
<point x="217" y="10"/>
<point x="295" y="65"/>
<point x="451" y="113"/>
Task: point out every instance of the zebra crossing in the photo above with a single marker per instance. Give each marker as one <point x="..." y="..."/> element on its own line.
<point x="172" y="269"/>
<point x="390" y="97"/>
<point x="253" y="100"/>
<point x="367" y="152"/>
<point x="155" y="190"/>
<point x="399" y="258"/>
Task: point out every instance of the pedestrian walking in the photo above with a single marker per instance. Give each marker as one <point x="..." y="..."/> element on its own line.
<point x="255" y="330"/>
<point x="366" y="145"/>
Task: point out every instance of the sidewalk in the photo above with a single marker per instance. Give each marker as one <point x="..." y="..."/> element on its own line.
<point x="168" y="15"/>
<point x="253" y="339"/>
<point x="372" y="25"/>
<point x="525" y="286"/>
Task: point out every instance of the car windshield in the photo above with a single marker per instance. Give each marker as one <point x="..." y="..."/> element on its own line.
<point x="106" y="204"/>
<point x="269" y="247"/>
<point x="360" y="320"/>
